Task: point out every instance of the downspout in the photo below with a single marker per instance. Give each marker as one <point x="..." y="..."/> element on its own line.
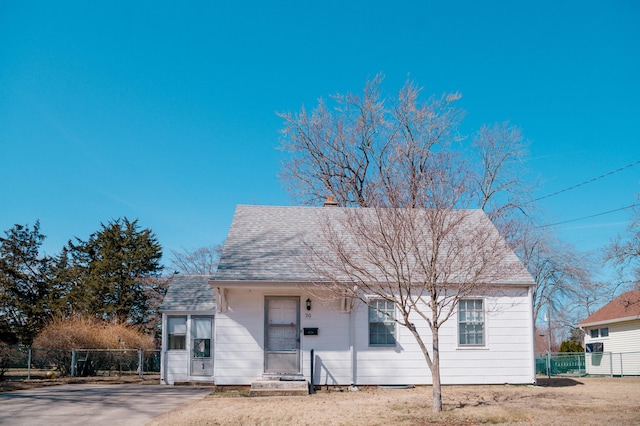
<point x="352" y="351"/>
<point x="533" y="332"/>
<point x="163" y="349"/>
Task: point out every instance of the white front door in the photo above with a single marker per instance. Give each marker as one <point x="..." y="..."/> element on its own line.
<point x="201" y="346"/>
<point x="282" y="335"/>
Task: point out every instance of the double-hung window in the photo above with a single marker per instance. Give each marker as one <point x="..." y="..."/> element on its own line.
<point x="471" y="322"/>
<point x="382" y="324"/>
<point x="177" y="332"/>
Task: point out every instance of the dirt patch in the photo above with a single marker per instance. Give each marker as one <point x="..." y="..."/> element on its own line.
<point x="585" y="401"/>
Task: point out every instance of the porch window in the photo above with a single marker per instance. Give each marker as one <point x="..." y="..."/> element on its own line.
<point x="177" y="332"/>
<point x="382" y="324"/>
<point x="471" y="322"/>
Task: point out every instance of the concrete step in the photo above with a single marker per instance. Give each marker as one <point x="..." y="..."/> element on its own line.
<point x="277" y="387"/>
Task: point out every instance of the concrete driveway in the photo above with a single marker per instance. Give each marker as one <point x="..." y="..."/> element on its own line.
<point x="80" y="404"/>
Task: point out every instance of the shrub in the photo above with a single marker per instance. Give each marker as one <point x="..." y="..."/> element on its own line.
<point x="84" y="332"/>
<point x="62" y="335"/>
<point x="571" y="346"/>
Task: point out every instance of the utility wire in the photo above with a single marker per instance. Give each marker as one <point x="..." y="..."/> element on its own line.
<point x="586" y="182"/>
<point x="590" y="216"/>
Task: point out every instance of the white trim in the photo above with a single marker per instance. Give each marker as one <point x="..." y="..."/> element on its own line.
<point x="222" y="302"/>
<point x="485" y="328"/>
<point x="609" y="321"/>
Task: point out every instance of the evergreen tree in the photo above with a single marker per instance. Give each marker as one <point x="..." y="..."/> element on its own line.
<point x="109" y="276"/>
<point x="571" y="346"/>
<point x="26" y="296"/>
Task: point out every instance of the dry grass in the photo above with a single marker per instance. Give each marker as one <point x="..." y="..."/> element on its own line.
<point x="584" y="401"/>
<point x="87" y="332"/>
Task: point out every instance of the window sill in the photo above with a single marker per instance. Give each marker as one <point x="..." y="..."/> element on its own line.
<point x="472" y="348"/>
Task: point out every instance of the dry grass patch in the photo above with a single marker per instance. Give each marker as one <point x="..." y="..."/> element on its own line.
<point x="585" y="401"/>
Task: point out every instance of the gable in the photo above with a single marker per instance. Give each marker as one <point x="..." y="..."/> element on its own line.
<point x="270" y="243"/>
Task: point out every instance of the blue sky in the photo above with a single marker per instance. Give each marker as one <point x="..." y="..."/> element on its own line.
<point x="166" y="111"/>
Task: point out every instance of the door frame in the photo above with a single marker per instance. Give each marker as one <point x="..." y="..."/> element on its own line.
<point x="297" y="351"/>
<point x="208" y="361"/>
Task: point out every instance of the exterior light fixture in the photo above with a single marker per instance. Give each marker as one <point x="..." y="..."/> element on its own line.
<point x="308" y="304"/>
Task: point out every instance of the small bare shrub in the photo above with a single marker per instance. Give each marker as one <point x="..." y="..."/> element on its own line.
<point x="84" y="332"/>
<point x="62" y="335"/>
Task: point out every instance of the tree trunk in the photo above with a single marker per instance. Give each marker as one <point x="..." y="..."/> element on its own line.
<point x="435" y="374"/>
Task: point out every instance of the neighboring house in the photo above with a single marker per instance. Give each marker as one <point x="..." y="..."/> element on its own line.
<point x="612" y="337"/>
<point x="268" y="319"/>
<point x="188" y="311"/>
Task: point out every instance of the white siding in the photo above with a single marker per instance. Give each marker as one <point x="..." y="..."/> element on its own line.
<point x="176" y="365"/>
<point x="240" y="339"/>
<point x="507" y="356"/>
<point x="621" y="350"/>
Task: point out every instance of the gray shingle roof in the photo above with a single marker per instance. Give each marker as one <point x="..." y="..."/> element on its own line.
<point x="189" y="293"/>
<point x="269" y="243"/>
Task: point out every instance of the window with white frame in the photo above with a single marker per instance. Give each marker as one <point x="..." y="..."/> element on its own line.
<point x="382" y="324"/>
<point x="471" y="322"/>
<point x="177" y="332"/>
<point x="602" y="332"/>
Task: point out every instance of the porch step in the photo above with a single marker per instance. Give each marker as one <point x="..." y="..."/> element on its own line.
<point x="277" y="387"/>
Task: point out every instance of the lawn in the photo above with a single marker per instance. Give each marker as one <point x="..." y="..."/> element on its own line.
<point x="560" y="401"/>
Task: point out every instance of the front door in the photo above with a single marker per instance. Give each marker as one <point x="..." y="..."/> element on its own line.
<point x="282" y="335"/>
<point x="201" y="348"/>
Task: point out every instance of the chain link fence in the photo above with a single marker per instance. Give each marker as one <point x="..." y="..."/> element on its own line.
<point x="20" y="362"/>
<point x="590" y="363"/>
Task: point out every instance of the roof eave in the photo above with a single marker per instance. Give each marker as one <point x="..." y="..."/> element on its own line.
<point x="608" y="321"/>
<point x="252" y="284"/>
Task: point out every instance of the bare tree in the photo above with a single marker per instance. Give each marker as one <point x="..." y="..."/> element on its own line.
<point x="501" y="185"/>
<point x="624" y="254"/>
<point x="561" y="274"/>
<point x="415" y="246"/>
<point x="423" y="261"/>
<point x="351" y="153"/>
<point x="203" y="260"/>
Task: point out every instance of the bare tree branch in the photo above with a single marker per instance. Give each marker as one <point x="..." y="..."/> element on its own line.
<point x="201" y="261"/>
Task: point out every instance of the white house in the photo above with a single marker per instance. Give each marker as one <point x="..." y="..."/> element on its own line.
<point x="612" y="337"/>
<point x="269" y="318"/>
<point x="188" y="311"/>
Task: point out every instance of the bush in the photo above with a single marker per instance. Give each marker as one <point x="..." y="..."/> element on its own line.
<point x="62" y="335"/>
<point x="571" y="346"/>
<point x="83" y="332"/>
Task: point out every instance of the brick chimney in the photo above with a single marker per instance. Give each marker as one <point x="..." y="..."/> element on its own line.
<point x="330" y="202"/>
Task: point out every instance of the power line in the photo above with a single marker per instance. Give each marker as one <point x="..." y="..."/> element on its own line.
<point x="590" y="216"/>
<point x="586" y="182"/>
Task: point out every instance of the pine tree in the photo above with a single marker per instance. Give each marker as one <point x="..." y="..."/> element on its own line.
<point x="109" y="275"/>
<point x="26" y="295"/>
